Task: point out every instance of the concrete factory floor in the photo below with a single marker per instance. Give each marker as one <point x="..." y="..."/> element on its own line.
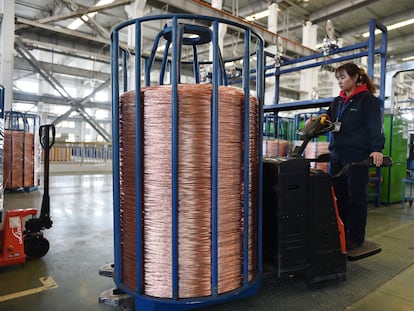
<point x="81" y="241"/>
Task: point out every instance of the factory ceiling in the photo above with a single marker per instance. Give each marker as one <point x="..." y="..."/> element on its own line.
<point x="46" y="25"/>
<point x="350" y="18"/>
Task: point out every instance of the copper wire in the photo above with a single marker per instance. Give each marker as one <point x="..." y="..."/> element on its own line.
<point x="20" y="157"/>
<point x="194" y="190"/>
<point x="313" y="150"/>
<point x="253" y="186"/>
<point x="127" y="188"/>
<point x="275" y="147"/>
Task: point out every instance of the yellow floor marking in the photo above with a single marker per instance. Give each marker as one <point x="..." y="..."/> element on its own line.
<point x="47" y="281"/>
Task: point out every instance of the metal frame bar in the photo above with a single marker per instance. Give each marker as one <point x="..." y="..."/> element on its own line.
<point x="115" y="155"/>
<point x="138" y="161"/>
<point x="214" y="162"/>
<point x="246" y="165"/>
<point x="370" y="53"/>
<point x="176" y="38"/>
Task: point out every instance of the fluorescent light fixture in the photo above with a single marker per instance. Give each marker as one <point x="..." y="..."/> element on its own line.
<point x="103" y="2"/>
<point x="257" y="16"/>
<point x="405" y="59"/>
<point x="76" y="24"/>
<point x="392" y="27"/>
<point x="79" y="21"/>
<point x="407" y="116"/>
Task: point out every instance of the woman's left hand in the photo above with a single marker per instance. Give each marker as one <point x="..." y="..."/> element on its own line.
<point x="377" y="158"/>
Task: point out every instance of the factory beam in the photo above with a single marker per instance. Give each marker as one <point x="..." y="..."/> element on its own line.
<point x="95" y="26"/>
<point x="77" y="13"/>
<point x="79" y="107"/>
<point x="63" y="31"/>
<point x="23" y="64"/>
<point x="23" y="51"/>
<point x="25" y="97"/>
<point x="337" y="9"/>
<point x="66" y="50"/>
<point x="199" y="7"/>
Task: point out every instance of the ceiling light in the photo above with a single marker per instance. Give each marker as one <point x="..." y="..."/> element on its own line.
<point x="75" y="24"/>
<point x="405" y="59"/>
<point x="407" y="116"/>
<point x="392" y="27"/>
<point x="79" y="21"/>
<point x="103" y="2"/>
<point x="257" y="16"/>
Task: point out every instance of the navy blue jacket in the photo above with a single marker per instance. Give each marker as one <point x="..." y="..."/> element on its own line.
<point x="361" y="129"/>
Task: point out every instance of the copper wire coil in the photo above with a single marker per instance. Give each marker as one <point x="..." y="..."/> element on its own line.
<point x="194" y="189"/>
<point x="253" y="190"/>
<point x="275" y="147"/>
<point x="20" y="158"/>
<point x="127" y="194"/>
<point x="313" y="150"/>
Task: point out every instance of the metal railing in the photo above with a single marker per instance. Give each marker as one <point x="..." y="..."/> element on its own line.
<point x="81" y="152"/>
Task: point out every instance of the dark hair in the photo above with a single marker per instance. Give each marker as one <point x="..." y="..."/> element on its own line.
<point x="353" y="70"/>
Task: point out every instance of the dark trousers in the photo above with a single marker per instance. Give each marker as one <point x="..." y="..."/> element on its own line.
<point x="351" y="190"/>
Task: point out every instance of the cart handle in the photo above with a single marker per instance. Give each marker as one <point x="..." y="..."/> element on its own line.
<point x="47" y="135"/>
<point x="386" y="162"/>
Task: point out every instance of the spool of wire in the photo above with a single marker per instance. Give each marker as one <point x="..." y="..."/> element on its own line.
<point x="275" y="147"/>
<point x="194" y="190"/>
<point x="186" y="162"/>
<point x="313" y="150"/>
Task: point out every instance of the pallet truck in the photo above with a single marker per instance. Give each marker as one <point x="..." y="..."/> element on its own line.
<point x="302" y="229"/>
<point x="21" y="232"/>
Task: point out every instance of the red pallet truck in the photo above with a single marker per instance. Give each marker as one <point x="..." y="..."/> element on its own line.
<point x="21" y="232"/>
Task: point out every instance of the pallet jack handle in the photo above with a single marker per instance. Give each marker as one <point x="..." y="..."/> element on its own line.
<point x="47" y="139"/>
<point x="314" y="128"/>
<point x="36" y="225"/>
<point x="386" y="162"/>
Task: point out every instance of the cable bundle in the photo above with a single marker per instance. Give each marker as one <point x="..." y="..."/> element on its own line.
<point x="194" y="189"/>
<point x="20" y="159"/>
<point x="313" y="150"/>
<point x="275" y="147"/>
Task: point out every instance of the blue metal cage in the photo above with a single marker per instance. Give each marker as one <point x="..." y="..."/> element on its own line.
<point x="372" y="50"/>
<point x="193" y="31"/>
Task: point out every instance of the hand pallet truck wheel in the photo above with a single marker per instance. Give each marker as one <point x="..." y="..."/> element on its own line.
<point x="35" y="246"/>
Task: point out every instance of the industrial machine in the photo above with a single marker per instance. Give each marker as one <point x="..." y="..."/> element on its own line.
<point x="302" y="230"/>
<point x="21" y="231"/>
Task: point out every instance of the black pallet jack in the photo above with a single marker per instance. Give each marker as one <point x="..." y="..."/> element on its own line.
<point x="19" y="240"/>
<point x="35" y="244"/>
<point x="302" y="230"/>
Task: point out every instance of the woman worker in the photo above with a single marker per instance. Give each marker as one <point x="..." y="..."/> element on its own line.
<point x="358" y="134"/>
